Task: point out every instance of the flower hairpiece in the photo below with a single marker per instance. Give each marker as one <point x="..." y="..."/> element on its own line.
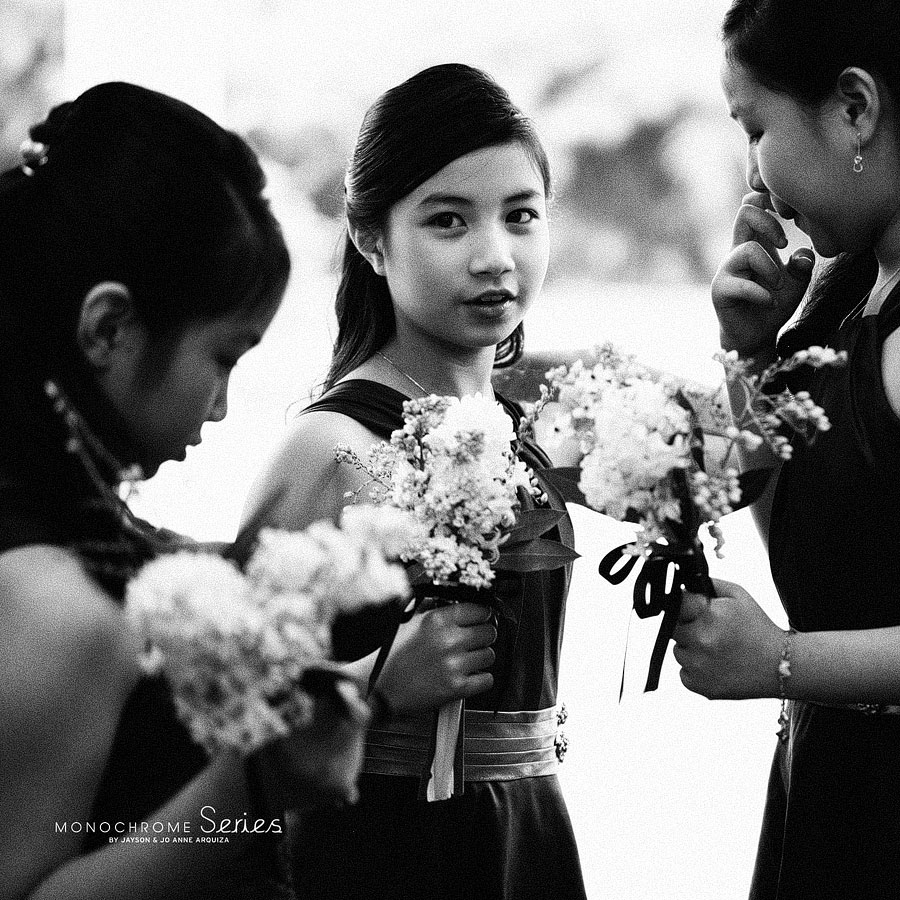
<point x="34" y="154"/>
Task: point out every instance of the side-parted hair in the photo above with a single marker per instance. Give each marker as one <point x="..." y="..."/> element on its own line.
<point x="800" y="48"/>
<point x="408" y="135"/>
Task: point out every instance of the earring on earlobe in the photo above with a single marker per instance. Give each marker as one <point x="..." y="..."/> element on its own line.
<point x="858" y="160"/>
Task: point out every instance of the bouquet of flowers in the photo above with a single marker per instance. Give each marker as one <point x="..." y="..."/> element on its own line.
<point x="453" y="467"/>
<point x="243" y="648"/>
<point x="642" y="438"/>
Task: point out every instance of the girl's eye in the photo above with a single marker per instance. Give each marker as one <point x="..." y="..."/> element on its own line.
<point x="521" y="216"/>
<point x="446" y="220"/>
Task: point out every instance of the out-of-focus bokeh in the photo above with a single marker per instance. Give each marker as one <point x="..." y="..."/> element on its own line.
<point x="665" y="789"/>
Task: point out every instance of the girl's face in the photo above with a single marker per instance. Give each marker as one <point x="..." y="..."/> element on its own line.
<point x="466" y="252"/>
<point x="165" y="410"/>
<point x="803" y="160"/>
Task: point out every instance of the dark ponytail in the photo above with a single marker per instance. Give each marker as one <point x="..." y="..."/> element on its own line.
<point x="409" y="134"/>
<point x="365" y="315"/>
<point x="841" y="285"/>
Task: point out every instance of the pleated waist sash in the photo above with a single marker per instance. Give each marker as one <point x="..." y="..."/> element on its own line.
<point x="498" y="746"/>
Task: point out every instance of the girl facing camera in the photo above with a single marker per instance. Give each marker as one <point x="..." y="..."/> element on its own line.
<point x="446" y="250"/>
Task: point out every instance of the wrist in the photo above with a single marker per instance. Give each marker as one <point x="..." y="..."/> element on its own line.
<point x="786" y="664"/>
<point x="762" y="354"/>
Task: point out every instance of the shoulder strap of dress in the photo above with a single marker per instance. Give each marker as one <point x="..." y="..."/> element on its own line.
<point x="532" y="454"/>
<point x="889" y="315"/>
<point x="375" y="406"/>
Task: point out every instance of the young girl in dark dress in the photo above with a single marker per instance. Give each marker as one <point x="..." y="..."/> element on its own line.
<point x="816" y="87"/>
<point x="139" y="262"/>
<point x="447" y="247"/>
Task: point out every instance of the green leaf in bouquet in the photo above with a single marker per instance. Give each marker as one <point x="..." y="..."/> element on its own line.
<point x="535" y="556"/>
<point x="532" y="523"/>
<point x="564" y="480"/>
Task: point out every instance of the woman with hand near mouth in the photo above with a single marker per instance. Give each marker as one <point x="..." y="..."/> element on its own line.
<point x="446" y="249"/>
<point x="815" y="84"/>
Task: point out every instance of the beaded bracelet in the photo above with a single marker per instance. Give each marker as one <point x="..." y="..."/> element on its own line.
<point x="784" y="672"/>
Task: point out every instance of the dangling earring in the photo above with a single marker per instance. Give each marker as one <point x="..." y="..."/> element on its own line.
<point x="858" y="160"/>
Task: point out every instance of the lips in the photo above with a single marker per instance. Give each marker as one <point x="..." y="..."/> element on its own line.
<point x="782" y="208"/>
<point x="492" y="298"/>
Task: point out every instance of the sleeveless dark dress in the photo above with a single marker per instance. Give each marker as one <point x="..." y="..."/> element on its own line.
<point x="499" y="840"/>
<point x="832" y="821"/>
<point x="152" y="756"/>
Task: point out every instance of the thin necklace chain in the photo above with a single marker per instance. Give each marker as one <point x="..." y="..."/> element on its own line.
<point x="873" y="299"/>
<point x="409" y="377"/>
<point x="406" y="375"/>
<point x="881" y="294"/>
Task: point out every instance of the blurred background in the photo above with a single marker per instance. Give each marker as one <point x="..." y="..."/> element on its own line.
<point x="665" y="789"/>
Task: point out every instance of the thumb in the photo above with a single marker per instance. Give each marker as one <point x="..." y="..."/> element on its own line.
<point x="692" y="607"/>
<point x="800" y="265"/>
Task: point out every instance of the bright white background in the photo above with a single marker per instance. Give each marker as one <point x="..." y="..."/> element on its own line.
<point x="665" y="789"/>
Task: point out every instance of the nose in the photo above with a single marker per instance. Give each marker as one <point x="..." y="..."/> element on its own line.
<point x="492" y="253"/>
<point x="219" y="409"/>
<point x="754" y="179"/>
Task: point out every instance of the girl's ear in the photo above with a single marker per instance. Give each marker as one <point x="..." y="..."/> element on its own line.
<point x="106" y="312"/>
<point x="370" y="246"/>
<point x="860" y="101"/>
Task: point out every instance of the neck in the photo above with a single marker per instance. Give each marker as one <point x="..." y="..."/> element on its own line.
<point x="887" y="251"/>
<point x="439" y="369"/>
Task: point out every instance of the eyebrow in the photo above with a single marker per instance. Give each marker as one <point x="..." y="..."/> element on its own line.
<point x="442" y="199"/>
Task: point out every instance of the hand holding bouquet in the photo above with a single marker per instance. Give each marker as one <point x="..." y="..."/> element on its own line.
<point x="642" y="443"/>
<point x="246" y="652"/>
<point x="453" y="467"/>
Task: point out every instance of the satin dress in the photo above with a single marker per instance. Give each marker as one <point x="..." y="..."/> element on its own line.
<point x="498" y="840"/>
<point x="831" y="827"/>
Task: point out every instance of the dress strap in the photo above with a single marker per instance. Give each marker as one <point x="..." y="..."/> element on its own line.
<point x="380" y="409"/>
<point x="375" y="406"/>
<point x="889" y="315"/>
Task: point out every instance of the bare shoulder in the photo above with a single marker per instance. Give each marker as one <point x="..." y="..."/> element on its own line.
<point x="890" y="369"/>
<point x="304" y="474"/>
<point x="57" y="622"/>
<point x="67" y="665"/>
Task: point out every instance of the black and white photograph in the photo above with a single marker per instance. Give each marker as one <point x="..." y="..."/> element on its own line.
<point x="449" y="450"/>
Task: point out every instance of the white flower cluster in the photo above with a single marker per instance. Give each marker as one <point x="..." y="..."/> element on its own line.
<point x="452" y="466"/>
<point x="766" y="416"/>
<point x="235" y="645"/>
<point x="635" y="428"/>
<point x="634" y="434"/>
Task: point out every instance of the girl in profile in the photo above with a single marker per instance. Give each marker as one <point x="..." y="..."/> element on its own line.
<point x="816" y="88"/>
<point x="139" y="262"/>
<point x="446" y="250"/>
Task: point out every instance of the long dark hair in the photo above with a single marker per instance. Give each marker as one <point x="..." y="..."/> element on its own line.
<point x="409" y="134"/>
<point x="799" y="48"/>
<point x="135" y="187"/>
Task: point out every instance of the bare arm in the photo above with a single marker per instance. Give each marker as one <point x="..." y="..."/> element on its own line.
<point x="67" y="666"/>
<point x="439" y="655"/>
<point x="729" y="648"/>
<point x="754" y="293"/>
<point x="312" y="484"/>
